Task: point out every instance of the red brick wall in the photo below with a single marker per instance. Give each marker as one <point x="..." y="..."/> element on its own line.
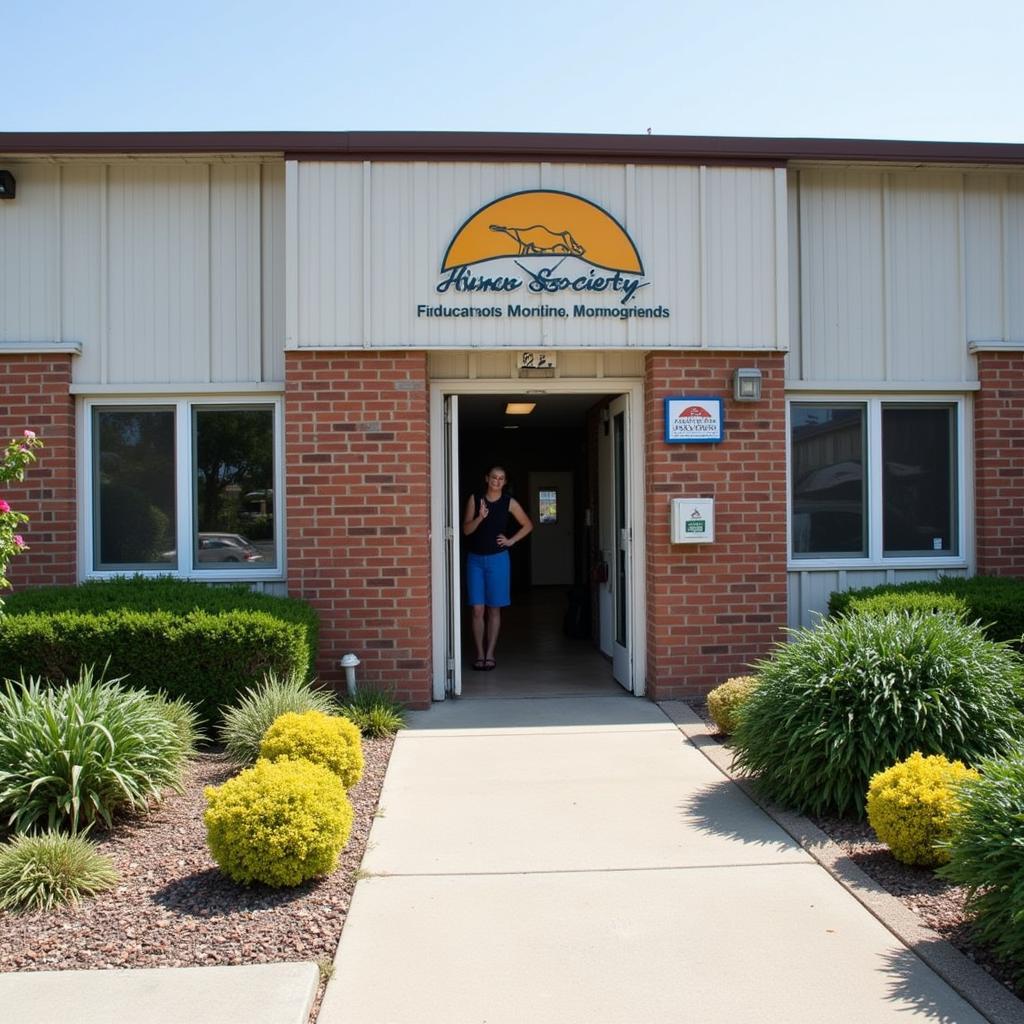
<point x="35" y="395"/>
<point x="713" y="608"/>
<point x="358" y="503"/>
<point x="999" y="463"/>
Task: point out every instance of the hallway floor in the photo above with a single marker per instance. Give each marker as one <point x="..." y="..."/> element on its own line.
<point x="534" y="657"/>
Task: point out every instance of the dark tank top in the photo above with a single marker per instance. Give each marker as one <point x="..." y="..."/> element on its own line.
<point x="484" y="539"/>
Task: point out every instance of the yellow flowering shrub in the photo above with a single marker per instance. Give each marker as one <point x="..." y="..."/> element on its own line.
<point x="724" y="701"/>
<point x="279" y="822"/>
<point x="910" y="806"/>
<point x="326" y="740"/>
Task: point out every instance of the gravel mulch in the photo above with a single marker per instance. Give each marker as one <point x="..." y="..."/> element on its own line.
<point x="938" y="903"/>
<point x="173" y="908"/>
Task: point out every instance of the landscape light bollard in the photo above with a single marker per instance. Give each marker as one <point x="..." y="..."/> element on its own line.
<point x="349" y="663"/>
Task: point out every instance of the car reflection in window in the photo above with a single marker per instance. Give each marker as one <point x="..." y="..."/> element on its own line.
<point x="226" y="547"/>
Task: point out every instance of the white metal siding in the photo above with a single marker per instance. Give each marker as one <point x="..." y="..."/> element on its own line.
<point x="924" y="293"/>
<point x="83" y="256"/>
<point x="165" y="272"/>
<point x="898" y="271"/>
<point x="1013" y="279"/>
<point x="809" y="590"/>
<point x="159" y="266"/>
<point x="30" y="263"/>
<point x="841" y="277"/>
<point x="369" y="240"/>
<point x="272" y="225"/>
<point x="235" y="256"/>
<point x="741" y="223"/>
<point x="984" y="252"/>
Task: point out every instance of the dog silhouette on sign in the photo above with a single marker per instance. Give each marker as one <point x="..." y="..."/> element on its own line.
<point x="539" y="241"/>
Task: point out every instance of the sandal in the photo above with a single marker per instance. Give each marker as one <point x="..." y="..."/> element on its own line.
<point x="480" y="665"/>
<point x="490" y="664"/>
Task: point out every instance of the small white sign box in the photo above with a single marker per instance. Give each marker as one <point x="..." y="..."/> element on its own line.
<point x="693" y="520"/>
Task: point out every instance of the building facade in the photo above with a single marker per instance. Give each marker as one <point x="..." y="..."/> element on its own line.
<point x="761" y="371"/>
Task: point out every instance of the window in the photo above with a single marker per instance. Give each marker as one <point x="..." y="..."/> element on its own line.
<point x="185" y="487"/>
<point x="829" y="498"/>
<point x="548" y="505"/>
<point x="134" y="495"/>
<point x="234" y="474"/>
<point x="876" y="479"/>
<point x="919" y="504"/>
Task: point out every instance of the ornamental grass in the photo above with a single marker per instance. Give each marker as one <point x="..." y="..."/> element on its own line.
<point x="72" y="755"/>
<point x="859" y="693"/>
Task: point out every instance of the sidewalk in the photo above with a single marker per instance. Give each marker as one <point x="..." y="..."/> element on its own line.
<point x="257" y="994"/>
<point x="554" y="861"/>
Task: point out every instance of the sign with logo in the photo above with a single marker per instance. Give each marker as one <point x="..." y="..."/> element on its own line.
<point x="541" y="254"/>
<point x="696" y="523"/>
<point x="693" y="420"/>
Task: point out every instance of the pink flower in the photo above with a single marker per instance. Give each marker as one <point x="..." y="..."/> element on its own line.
<point x="19" y="541"/>
<point x="4" y="507"/>
<point x="30" y="434"/>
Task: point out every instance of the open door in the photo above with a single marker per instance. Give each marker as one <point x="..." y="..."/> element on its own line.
<point x="452" y="534"/>
<point x="616" y="542"/>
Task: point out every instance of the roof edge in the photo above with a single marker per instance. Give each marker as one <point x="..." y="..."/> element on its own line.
<point x="509" y="145"/>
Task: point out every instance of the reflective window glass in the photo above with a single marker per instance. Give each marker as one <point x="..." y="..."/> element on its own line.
<point x="829" y="494"/>
<point x="133" y="488"/>
<point x="234" y="496"/>
<point x="919" y="509"/>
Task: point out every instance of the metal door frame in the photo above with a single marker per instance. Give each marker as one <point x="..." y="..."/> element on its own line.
<point x="440" y="487"/>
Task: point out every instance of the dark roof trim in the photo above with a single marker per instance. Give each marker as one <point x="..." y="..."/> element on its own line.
<point x="510" y="146"/>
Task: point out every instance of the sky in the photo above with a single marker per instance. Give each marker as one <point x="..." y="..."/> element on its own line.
<point x="901" y="69"/>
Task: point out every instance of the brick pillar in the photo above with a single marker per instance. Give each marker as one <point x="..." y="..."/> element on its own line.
<point x="358" y="505"/>
<point x="714" y="608"/>
<point x="36" y="395"/>
<point x="999" y="463"/>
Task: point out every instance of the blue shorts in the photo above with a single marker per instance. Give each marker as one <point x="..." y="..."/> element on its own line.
<point x="487" y="579"/>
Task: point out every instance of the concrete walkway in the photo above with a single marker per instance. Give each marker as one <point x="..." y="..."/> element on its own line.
<point x="256" y="994"/>
<point x="553" y="861"/>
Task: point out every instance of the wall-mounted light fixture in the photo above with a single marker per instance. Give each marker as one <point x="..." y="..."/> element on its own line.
<point x="519" y="408"/>
<point x="746" y="385"/>
<point x="6" y="185"/>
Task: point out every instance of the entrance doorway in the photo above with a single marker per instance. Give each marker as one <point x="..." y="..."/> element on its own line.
<point x="574" y="464"/>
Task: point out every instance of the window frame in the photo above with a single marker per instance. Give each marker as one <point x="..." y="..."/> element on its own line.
<point x="876" y="558"/>
<point x="185" y="496"/>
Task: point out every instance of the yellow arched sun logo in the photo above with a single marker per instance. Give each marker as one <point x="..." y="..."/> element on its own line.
<point x="543" y="223"/>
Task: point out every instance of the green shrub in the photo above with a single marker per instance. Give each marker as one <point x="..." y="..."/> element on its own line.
<point x="374" y="712"/>
<point x="909" y="601"/>
<point x="987" y="855"/>
<point x="205" y="657"/>
<point x="327" y="740"/>
<point x="279" y="822"/>
<point x="73" y="754"/>
<point x="166" y="594"/>
<point x="51" y="870"/>
<point x="997" y="602"/>
<point x="859" y="693"/>
<point x="910" y="806"/>
<point x="244" y="723"/>
<point x="725" y="701"/>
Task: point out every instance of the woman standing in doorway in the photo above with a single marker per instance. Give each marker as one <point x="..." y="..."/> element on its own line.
<point x="486" y="524"/>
